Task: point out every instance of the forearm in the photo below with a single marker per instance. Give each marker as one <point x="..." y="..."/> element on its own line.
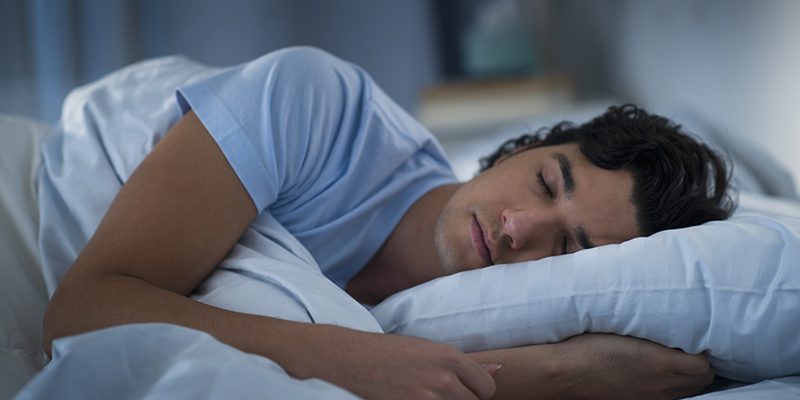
<point x="539" y="372"/>
<point x="598" y="366"/>
<point x="373" y="366"/>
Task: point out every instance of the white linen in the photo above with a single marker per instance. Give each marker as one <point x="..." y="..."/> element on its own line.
<point x="295" y="126"/>
<point x="267" y="273"/>
<point x="161" y="361"/>
<point x="150" y="348"/>
<point x="753" y="167"/>
<point x="770" y="389"/>
<point x="22" y="293"/>
<point x="292" y="124"/>
<point x="20" y="354"/>
<point x="731" y="288"/>
<point x="270" y="273"/>
<point x="87" y="167"/>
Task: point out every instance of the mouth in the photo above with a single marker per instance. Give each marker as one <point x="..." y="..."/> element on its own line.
<point x="479" y="241"/>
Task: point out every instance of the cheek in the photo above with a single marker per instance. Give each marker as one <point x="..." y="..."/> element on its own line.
<point x="509" y="184"/>
<point x="445" y="242"/>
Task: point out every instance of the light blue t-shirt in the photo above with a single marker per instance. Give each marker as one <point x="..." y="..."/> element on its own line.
<point x="316" y="143"/>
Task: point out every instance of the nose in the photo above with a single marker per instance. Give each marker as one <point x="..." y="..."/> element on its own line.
<point x="528" y="229"/>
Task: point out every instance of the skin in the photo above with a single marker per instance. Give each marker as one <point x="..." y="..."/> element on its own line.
<point x="183" y="209"/>
<point x="521" y="209"/>
<point x="526" y="210"/>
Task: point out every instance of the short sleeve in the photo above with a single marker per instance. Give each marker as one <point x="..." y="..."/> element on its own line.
<point x="274" y="117"/>
<point x="321" y="148"/>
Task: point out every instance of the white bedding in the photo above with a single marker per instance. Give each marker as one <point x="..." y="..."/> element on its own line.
<point x="22" y="291"/>
<point x="700" y="289"/>
<point x="161" y="361"/>
<point x="270" y="274"/>
<point x="154" y="352"/>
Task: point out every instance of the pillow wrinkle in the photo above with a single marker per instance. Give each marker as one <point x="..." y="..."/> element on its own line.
<point x="727" y="288"/>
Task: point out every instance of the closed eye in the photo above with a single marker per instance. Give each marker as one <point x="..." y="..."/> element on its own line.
<point x="544" y="184"/>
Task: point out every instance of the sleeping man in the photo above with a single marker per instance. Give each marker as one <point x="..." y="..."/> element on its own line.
<point x="310" y="140"/>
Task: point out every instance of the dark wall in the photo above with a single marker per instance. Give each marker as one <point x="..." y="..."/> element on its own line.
<point x="51" y="46"/>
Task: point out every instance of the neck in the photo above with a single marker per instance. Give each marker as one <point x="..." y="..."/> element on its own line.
<point x="408" y="257"/>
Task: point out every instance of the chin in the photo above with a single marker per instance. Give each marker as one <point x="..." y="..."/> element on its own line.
<point x="449" y="253"/>
<point x="453" y="243"/>
<point x="453" y="256"/>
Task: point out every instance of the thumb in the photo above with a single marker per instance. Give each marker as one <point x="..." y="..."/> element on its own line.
<point x="492" y="368"/>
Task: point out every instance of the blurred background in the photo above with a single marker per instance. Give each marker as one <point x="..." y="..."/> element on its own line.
<point x="462" y="66"/>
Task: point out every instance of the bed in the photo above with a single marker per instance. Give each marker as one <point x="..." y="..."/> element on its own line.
<point x="746" y="320"/>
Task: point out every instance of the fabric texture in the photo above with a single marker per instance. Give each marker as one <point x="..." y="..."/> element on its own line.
<point x="316" y="142"/>
<point x="269" y="273"/>
<point x="22" y="292"/>
<point x="161" y="361"/>
<point x="106" y="129"/>
<point x="730" y="288"/>
<point x="313" y="139"/>
<point x="770" y="389"/>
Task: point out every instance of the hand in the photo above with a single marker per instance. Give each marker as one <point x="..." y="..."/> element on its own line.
<point x="622" y="367"/>
<point x="382" y="366"/>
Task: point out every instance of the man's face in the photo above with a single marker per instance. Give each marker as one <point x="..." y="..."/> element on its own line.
<point x="538" y="203"/>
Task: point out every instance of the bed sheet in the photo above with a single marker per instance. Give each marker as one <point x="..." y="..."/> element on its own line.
<point x="162" y="361"/>
<point x="166" y="369"/>
<point x="166" y="361"/>
<point x="770" y="389"/>
<point x="267" y="273"/>
<point x="22" y="292"/>
<point x="153" y="361"/>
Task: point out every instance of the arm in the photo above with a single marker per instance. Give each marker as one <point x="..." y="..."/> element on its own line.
<point x="174" y="220"/>
<point x="598" y="366"/>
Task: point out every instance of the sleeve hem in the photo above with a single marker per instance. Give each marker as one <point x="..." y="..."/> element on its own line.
<point x="228" y="133"/>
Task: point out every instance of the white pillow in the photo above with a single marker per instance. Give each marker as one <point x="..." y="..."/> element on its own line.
<point x="22" y="292"/>
<point x="731" y="288"/>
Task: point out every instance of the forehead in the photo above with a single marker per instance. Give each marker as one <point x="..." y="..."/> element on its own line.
<point x="601" y="202"/>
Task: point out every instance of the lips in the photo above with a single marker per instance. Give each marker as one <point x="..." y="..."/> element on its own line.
<point x="479" y="242"/>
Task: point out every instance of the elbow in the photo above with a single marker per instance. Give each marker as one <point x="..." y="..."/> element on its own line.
<point x="51" y="325"/>
<point x="81" y="304"/>
<point x="59" y="319"/>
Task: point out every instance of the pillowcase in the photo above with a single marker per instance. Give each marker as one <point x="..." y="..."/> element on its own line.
<point x="22" y="292"/>
<point x="730" y="288"/>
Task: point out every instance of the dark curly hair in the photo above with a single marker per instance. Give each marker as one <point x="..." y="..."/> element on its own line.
<point x="677" y="181"/>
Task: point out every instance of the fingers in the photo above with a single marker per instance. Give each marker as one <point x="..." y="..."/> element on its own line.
<point x="693" y="374"/>
<point x="477" y="378"/>
<point x="461" y="392"/>
<point x="491" y="368"/>
<point x="690" y="385"/>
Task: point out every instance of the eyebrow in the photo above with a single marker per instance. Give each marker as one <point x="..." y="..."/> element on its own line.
<point x="566" y="173"/>
<point x="569" y="190"/>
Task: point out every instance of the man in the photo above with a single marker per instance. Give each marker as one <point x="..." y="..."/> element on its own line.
<point x="310" y="140"/>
